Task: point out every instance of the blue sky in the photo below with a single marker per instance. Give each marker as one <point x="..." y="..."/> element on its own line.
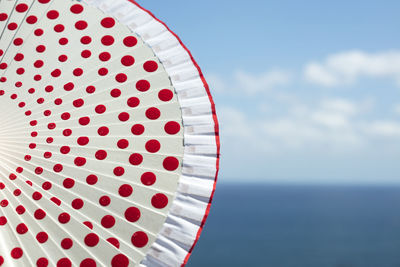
<point x="306" y="91"/>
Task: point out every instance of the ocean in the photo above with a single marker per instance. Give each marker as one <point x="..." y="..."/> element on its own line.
<point x="301" y="226"/>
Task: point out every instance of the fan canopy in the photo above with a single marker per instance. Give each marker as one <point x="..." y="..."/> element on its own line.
<point x="109" y="138"/>
<point x="91" y="137"/>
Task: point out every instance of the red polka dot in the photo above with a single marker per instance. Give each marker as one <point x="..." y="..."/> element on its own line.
<point x="3" y="16"/>
<point x="38" y="63"/>
<point x="125" y="190"/>
<point x="42" y="262"/>
<point x="83" y="140"/>
<point x="52" y="14"/>
<point x="22" y="229"/>
<point x="113" y="241"/>
<point x="133" y="102"/>
<point x="86" y="53"/>
<point x="16" y="253"/>
<point x="137" y="129"/>
<point x="101" y="154"/>
<point x="88" y="263"/>
<point x="36" y="196"/>
<point x="105" y="201"/>
<point x="31" y="19"/>
<point x="78" y="102"/>
<point x="58" y="168"/>
<point x="121" y="77"/>
<point x="103" y="131"/>
<point x="21" y="8"/>
<point x="142" y="85"/>
<point x="123" y="116"/>
<point x="123" y="143"/>
<point x="91" y="240"/>
<point x="171" y="163"/>
<point x="65" y="149"/>
<point x="67" y="243"/>
<point x="4" y="203"/>
<point x="42" y="237"/>
<point x="56" y="73"/>
<point x="56" y="201"/>
<point x="120" y="260"/>
<point x="115" y="93"/>
<point x="80" y="161"/>
<point x="84" y="121"/>
<point x="119" y="171"/>
<point x="130" y="41"/>
<point x="103" y="71"/>
<point x="136" y="159"/>
<point x="86" y="40"/>
<point x="40" y="48"/>
<point x="153" y="113"/>
<point x="172" y="127"/>
<point x="165" y="95"/>
<point x="140" y="239"/>
<point x="108" y="22"/>
<point x="38" y="32"/>
<point x="100" y="109"/>
<point x="77" y="72"/>
<point x="46" y="185"/>
<point x="132" y="214"/>
<point x="127" y="61"/>
<point x="153" y="146"/>
<point x="77" y="203"/>
<point x="90" y="89"/>
<point x="64" y="262"/>
<point x="91" y="179"/>
<point x="148" y="178"/>
<point x="108" y="221"/>
<point x="69" y="86"/>
<point x="88" y="224"/>
<point x="20" y="209"/>
<point x="159" y="201"/>
<point x="65" y="116"/>
<point x="49" y="88"/>
<point x="3" y="220"/>
<point x="81" y="25"/>
<point x="76" y="9"/>
<point x="150" y="66"/>
<point x="104" y="56"/>
<point x="68" y="183"/>
<point x="107" y="40"/>
<point x="64" y="218"/>
<point x="12" y="26"/>
<point x="61" y="28"/>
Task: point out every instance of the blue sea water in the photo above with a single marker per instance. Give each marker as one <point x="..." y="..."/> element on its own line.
<point x="301" y="226"/>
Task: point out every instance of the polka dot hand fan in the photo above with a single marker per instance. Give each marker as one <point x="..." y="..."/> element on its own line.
<point x="109" y="138"/>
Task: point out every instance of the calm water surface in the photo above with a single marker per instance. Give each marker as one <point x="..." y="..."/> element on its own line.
<point x="301" y="226"/>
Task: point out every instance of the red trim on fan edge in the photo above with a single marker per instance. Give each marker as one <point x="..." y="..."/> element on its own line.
<point x="217" y="139"/>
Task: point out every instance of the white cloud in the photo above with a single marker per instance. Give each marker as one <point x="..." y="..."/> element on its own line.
<point x="396" y="109"/>
<point x="383" y="129"/>
<point x="235" y="123"/>
<point x="217" y="84"/>
<point x="331" y="124"/>
<point x="348" y="67"/>
<point x="248" y="83"/>
<point x="253" y="84"/>
<point x="306" y="132"/>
